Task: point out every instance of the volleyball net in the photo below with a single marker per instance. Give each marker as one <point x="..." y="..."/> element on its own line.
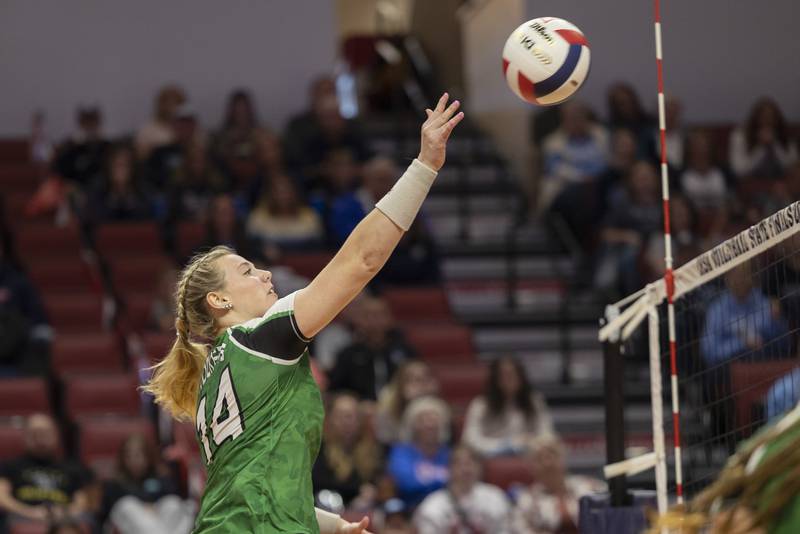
<point x="728" y="348"/>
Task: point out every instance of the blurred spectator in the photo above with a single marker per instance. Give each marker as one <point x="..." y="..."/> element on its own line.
<point x="65" y="527"/>
<point x="783" y="395"/>
<point x="413" y="380"/>
<point x="140" y="498"/>
<point x="40" y="486"/>
<point x="281" y="219"/>
<point x="25" y="332"/>
<point x="162" y="307"/>
<point x="783" y="280"/>
<point x="632" y="216"/>
<point x="743" y="320"/>
<point x="313" y="134"/>
<point x="623" y="156"/>
<point x="685" y="243"/>
<point x="159" y="131"/>
<point x="338" y="178"/>
<point x="762" y="147"/>
<point x="466" y="505"/>
<point x="574" y="156"/>
<point x="394" y="518"/>
<point x="378" y="177"/>
<point x="225" y="227"/>
<point x="350" y="459"/>
<point x="676" y="137"/>
<point x="166" y="160"/>
<point x="418" y="464"/>
<point x="508" y="414"/>
<point x="269" y="163"/>
<point x="81" y="159"/>
<point x="550" y="505"/>
<point x="41" y="148"/>
<point x="190" y="189"/>
<point x="235" y="146"/>
<point x="702" y="181"/>
<point x="379" y="348"/>
<point x="337" y="335"/>
<point x="119" y="196"/>
<point x="625" y="110"/>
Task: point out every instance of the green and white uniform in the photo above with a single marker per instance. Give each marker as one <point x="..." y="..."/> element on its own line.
<point x="259" y="422"/>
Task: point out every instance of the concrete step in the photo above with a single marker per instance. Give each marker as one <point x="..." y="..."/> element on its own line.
<point x="557" y="266"/>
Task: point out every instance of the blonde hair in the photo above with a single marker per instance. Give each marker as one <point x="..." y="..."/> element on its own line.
<point x="425" y="404"/>
<point x="176" y="378"/>
<point x="736" y="496"/>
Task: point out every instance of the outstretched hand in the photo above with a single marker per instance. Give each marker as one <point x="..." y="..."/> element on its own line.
<point x="436" y="131"/>
<point x="355" y="528"/>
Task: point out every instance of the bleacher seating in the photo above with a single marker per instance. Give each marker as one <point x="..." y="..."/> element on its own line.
<point x="23" y="396"/>
<point x="87" y="353"/>
<point x="101" y="395"/>
<point x="100" y="439"/>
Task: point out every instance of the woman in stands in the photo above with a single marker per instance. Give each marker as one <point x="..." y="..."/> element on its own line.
<point x="240" y="369"/>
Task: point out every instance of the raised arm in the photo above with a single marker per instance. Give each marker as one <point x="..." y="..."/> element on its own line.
<point x="371" y="243"/>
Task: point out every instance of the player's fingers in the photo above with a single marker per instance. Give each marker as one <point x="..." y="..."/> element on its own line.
<point x="428" y="112"/>
<point x="445" y="116"/>
<point x="448" y="128"/>
<point x="442" y="102"/>
<point x="362" y="525"/>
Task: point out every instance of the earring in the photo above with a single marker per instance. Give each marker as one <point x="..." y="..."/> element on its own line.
<point x="228" y="306"/>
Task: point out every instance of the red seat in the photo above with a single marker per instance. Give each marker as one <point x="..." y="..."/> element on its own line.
<point x="79" y="353"/>
<point x="750" y="382"/>
<point x="61" y="277"/>
<point x="128" y="239"/>
<point x="459" y="384"/>
<point x="36" y="241"/>
<point x="157" y="345"/>
<point x="442" y="342"/>
<point x="507" y="471"/>
<point x="18" y="177"/>
<point x="418" y="304"/>
<point x="12" y="440"/>
<point x="140" y="274"/>
<point x="100" y="395"/>
<point x="190" y="236"/>
<point x="307" y="264"/>
<point x="23" y="396"/>
<point x="14" y="150"/>
<point x="78" y="312"/>
<point x="100" y="440"/>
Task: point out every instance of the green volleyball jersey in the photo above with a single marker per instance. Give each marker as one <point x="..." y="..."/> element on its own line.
<point x="259" y="422"/>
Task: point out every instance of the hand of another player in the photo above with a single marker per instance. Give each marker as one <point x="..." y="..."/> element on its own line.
<point x="436" y="131"/>
<point x="354" y="528"/>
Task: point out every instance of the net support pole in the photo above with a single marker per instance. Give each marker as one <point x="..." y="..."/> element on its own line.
<point x="669" y="279"/>
<point x="657" y="410"/>
<point x="615" y="418"/>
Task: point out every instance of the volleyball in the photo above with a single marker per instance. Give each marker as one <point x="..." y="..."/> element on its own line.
<point x="546" y="60"/>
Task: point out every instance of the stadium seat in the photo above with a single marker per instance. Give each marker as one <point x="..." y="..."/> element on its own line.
<point x="137" y="275"/>
<point x="19" y="177"/>
<point x="23" y="396"/>
<point x="100" y="440"/>
<point x="307" y="264"/>
<point x="438" y="343"/>
<point x="81" y="353"/>
<point x="750" y="382"/>
<point x="507" y="471"/>
<point x="101" y="395"/>
<point x="60" y="276"/>
<point x="157" y="344"/>
<point x="190" y="236"/>
<point x="36" y="241"/>
<point x="459" y="384"/>
<point x="75" y="312"/>
<point x="15" y="150"/>
<point x="12" y="442"/>
<point x="128" y="239"/>
<point x="418" y="304"/>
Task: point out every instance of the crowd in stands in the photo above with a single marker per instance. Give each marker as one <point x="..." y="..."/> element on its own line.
<point x="391" y="446"/>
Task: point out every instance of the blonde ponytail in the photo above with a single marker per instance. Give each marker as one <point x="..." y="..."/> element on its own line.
<point x="176" y="378"/>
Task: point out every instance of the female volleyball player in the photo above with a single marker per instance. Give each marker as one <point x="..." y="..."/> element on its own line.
<point x="239" y="367"/>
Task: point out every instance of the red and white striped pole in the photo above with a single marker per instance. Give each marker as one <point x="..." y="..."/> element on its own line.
<point x="669" y="279"/>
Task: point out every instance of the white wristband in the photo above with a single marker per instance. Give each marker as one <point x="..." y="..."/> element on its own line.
<point x="403" y="202"/>
<point x="328" y="523"/>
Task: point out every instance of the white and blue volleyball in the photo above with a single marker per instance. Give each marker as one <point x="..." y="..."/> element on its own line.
<point x="546" y="60"/>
